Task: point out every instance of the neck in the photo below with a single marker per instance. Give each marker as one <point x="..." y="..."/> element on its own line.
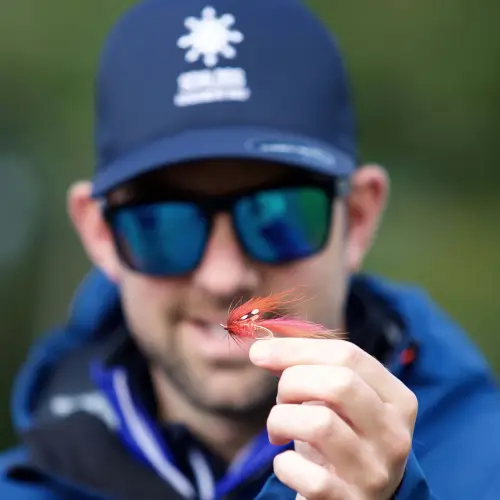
<point x="223" y="435"/>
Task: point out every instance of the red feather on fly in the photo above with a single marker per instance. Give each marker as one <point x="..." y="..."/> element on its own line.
<point x="260" y="318"/>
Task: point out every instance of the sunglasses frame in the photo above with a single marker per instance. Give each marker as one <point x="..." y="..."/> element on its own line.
<point x="334" y="188"/>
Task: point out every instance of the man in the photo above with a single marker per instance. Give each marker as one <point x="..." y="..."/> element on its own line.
<point x="227" y="169"/>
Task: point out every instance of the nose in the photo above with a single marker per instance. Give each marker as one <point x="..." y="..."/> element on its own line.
<point x="224" y="269"/>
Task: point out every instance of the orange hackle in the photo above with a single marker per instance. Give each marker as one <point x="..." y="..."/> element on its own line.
<point x="261" y="318"/>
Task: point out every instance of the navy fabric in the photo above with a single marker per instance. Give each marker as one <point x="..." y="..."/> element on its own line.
<point x="456" y="451"/>
<point x="170" y="89"/>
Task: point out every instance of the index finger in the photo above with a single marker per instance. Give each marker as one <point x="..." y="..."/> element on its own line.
<point x="278" y="354"/>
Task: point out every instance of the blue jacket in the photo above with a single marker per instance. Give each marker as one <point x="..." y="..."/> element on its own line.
<point x="456" y="452"/>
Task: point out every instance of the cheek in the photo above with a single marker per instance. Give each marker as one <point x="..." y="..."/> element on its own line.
<point x="320" y="281"/>
<point x="149" y="305"/>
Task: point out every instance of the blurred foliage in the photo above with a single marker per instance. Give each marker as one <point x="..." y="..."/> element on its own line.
<point x="425" y="81"/>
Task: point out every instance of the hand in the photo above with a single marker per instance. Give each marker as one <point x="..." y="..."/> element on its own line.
<point x="352" y="421"/>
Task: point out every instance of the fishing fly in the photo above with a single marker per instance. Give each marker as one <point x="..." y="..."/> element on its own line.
<point x="260" y="318"/>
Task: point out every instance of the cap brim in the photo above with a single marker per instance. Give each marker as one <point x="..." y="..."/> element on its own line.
<point x="234" y="142"/>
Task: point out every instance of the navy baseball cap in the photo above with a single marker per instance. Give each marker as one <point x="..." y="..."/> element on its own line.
<point x="182" y="80"/>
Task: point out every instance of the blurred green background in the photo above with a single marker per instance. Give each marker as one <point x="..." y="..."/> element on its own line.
<point x="426" y="83"/>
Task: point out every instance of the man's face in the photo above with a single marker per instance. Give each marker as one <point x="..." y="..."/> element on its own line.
<point x="176" y="321"/>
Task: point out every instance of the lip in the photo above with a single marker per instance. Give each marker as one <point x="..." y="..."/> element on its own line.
<point x="212" y="341"/>
<point x="207" y="321"/>
<point x="206" y="325"/>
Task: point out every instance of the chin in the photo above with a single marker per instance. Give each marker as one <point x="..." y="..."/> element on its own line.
<point x="232" y="393"/>
<point x="231" y="386"/>
<point x="242" y="407"/>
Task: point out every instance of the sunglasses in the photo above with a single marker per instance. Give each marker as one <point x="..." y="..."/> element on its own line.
<point x="274" y="225"/>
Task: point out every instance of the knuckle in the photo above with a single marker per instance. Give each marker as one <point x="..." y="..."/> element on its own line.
<point x="281" y="465"/>
<point x="323" y="424"/>
<point x="283" y="384"/>
<point x="401" y="447"/>
<point x="411" y="406"/>
<point x="275" y="417"/>
<point x="344" y="381"/>
<point x="351" y="354"/>
<point x="289" y="377"/>
<point x="377" y="480"/>
<point x="279" y="462"/>
<point x="320" y="488"/>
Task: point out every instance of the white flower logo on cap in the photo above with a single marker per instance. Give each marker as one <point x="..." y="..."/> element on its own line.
<point x="209" y="37"/>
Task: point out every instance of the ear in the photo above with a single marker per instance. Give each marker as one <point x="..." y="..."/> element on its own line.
<point x="86" y="216"/>
<point x="365" y="207"/>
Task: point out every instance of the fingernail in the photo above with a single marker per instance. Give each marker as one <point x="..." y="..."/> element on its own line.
<point x="260" y="352"/>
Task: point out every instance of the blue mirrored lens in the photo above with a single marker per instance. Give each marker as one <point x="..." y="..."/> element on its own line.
<point x="283" y="224"/>
<point x="161" y="239"/>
